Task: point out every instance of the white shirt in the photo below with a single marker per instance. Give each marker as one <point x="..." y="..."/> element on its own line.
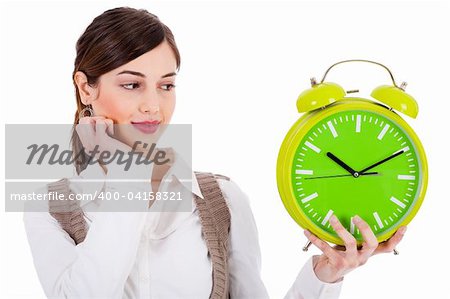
<point x="155" y="254"/>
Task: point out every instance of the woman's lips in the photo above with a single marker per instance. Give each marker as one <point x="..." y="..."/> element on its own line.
<point x="147" y="127"/>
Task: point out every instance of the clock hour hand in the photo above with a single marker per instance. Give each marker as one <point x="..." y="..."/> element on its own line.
<point x="382" y="161"/>
<point x="342" y="164"/>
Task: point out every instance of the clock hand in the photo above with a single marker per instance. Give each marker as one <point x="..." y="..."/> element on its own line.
<point x="382" y="161"/>
<point x="338" y="176"/>
<point x="342" y="164"/>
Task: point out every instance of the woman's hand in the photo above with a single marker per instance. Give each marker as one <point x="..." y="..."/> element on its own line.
<point x="333" y="264"/>
<point x="95" y="135"/>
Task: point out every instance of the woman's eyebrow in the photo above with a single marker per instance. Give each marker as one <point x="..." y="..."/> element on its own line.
<point x="169" y="75"/>
<point x="143" y="76"/>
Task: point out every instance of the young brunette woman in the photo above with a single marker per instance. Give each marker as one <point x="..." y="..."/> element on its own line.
<point x="124" y="75"/>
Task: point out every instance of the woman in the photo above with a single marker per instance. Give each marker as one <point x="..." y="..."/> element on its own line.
<point x="124" y="77"/>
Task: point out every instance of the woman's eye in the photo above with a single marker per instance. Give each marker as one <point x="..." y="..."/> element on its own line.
<point x="131" y="86"/>
<point x="168" y="86"/>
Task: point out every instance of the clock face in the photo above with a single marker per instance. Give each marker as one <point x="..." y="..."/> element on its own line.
<point x="356" y="162"/>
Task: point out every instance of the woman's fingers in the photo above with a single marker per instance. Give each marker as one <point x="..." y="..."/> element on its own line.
<point x="349" y="240"/>
<point x="105" y="135"/>
<point x="390" y="244"/>
<point x="370" y="241"/>
<point x="110" y="126"/>
<point x="322" y="245"/>
<point x="90" y="119"/>
<point x="92" y="133"/>
<point x="85" y="132"/>
<point x="337" y="263"/>
<point x="86" y="125"/>
<point x="100" y="126"/>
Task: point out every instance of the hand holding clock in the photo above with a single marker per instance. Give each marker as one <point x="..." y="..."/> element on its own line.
<point x="384" y="179"/>
<point x="333" y="264"/>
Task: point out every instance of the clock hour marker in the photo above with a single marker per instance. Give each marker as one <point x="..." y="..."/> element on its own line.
<point x="406" y="177"/>
<point x="405" y="149"/>
<point x="378" y="219"/>
<point x="332" y="129"/>
<point x="358" y="123"/>
<point x="310" y="197"/>
<point x="312" y="146"/>
<point x="401" y="151"/>
<point x="383" y="132"/>
<point x="398" y="202"/>
<point x="327" y="217"/>
<point x="352" y="226"/>
<point x="304" y="171"/>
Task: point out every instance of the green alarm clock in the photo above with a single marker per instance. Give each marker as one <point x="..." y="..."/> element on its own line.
<point x="348" y="156"/>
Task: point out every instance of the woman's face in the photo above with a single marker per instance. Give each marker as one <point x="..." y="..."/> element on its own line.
<point x="139" y="95"/>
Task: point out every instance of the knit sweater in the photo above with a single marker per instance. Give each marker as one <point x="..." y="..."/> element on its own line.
<point x="213" y="212"/>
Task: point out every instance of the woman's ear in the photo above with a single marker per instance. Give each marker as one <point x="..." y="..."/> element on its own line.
<point x="87" y="92"/>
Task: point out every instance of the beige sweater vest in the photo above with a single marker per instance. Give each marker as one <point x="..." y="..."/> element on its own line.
<point x="213" y="212"/>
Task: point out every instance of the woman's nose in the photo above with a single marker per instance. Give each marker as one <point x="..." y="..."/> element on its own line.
<point x="149" y="108"/>
<point x="150" y="104"/>
<point x="152" y="109"/>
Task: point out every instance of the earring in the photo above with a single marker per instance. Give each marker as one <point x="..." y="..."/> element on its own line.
<point x="88" y="109"/>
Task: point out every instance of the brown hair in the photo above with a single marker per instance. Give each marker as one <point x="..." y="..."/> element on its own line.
<point x="114" y="38"/>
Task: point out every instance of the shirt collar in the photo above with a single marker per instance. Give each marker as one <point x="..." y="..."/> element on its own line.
<point x="180" y="170"/>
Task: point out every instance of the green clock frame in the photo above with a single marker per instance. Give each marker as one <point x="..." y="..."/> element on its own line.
<point x="352" y="157"/>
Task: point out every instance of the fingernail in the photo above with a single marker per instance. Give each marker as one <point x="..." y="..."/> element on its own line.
<point x="307" y="233"/>
<point x="333" y="219"/>
<point x="356" y="219"/>
<point x="402" y="230"/>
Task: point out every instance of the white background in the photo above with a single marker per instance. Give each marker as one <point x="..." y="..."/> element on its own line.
<point x="243" y="66"/>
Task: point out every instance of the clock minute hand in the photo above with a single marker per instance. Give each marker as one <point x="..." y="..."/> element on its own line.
<point x="342" y="164"/>
<point x="382" y="161"/>
<point x="338" y="176"/>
